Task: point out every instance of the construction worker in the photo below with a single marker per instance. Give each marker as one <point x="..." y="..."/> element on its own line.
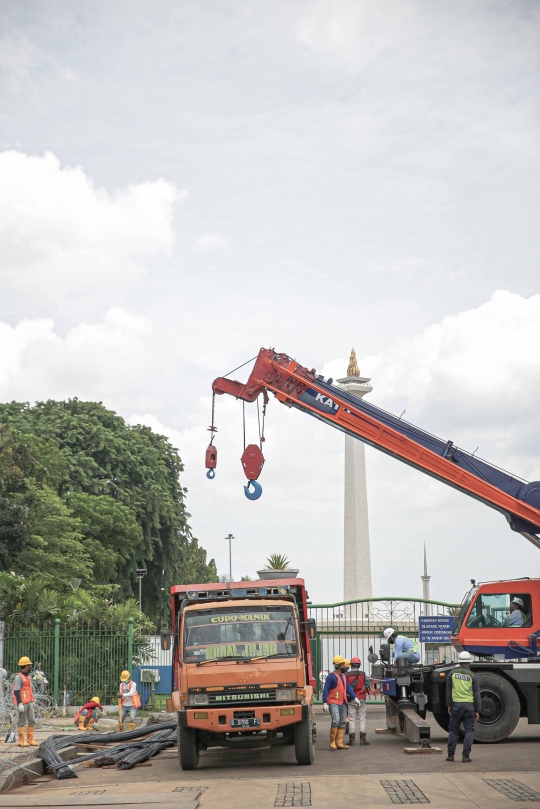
<point x="89" y="714"/>
<point x="357" y="712"/>
<point x="23" y="699"/>
<point x="130" y="700"/>
<point x="463" y="700"/>
<point x="335" y="693"/>
<point x="516" y="617"/>
<point x="406" y="649"/>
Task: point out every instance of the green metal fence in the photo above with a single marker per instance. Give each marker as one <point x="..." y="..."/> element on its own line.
<point x="350" y="628"/>
<point x="76" y="658"/>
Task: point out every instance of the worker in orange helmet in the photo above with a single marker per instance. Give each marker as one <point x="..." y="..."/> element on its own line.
<point x="130" y="699"/>
<point x="89" y="714"/>
<point x="23" y="699"/>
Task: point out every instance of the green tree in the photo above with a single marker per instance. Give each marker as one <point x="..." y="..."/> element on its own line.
<point x="90" y="456"/>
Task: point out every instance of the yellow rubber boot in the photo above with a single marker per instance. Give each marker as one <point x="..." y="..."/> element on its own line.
<point x="90" y="725"/>
<point x="20" y="732"/>
<point x="333" y="735"/>
<point x="131" y="726"/>
<point x="30" y="737"/>
<point x="339" y="740"/>
<point x="80" y="726"/>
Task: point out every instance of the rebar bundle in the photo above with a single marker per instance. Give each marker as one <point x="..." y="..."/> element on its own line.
<point x="159" y="740"/>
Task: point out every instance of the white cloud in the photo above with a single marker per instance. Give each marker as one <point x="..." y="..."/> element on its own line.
<point x="59" y="233"/>
<point x="214" y="241"/>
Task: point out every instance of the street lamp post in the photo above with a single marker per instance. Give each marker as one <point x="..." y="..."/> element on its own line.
<point x="141" y="573"/>
<point x="230" y="537"/>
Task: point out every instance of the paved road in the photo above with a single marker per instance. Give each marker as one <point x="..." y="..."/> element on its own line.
<point x="252" y="779"/>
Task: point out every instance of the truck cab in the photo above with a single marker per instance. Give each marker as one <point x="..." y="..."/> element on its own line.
<point x="488" y="626"/>
<point x="242" y="668"/>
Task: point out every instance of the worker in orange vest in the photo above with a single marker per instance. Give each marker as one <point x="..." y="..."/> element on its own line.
<point x="335" y="692"/>
<point x="130" y="699"/>
<point x="23" y="699"/>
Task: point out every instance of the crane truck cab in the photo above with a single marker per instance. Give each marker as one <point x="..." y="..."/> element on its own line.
<point x="242" y="669"/>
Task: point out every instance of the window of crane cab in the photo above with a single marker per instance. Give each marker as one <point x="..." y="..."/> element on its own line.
<point x="493" y="610"/>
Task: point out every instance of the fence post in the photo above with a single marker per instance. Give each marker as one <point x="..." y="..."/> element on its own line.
<point x="56" y="657"/>
<point x="130" y="645"/>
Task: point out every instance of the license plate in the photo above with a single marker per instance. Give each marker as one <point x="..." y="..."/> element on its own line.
<point x="245" y="723"/>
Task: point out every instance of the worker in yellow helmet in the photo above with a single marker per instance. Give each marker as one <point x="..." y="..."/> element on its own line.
<point x="130" y="700"/>
<point x="23" y="699"/>
<point x="89" y="714"/>
<point x="335" y="692"/>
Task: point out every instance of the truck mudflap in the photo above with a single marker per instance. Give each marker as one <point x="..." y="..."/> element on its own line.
<point x="238" y="720"/>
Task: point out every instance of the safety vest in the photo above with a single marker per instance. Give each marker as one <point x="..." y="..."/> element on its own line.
<point x="27" y="695"/>
<point x="413" y="649"/>
<point x="357" y="681"/>
<point x="338" y="694"/>
<point x="524" y="619"/>
<point x="462" y="685"/>
<point x="136" y="700"/>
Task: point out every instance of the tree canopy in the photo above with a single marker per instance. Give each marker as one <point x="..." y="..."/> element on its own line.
<point x="84" y="495"/>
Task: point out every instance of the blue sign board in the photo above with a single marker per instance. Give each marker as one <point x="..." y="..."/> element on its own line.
<point x="435" y="628"/>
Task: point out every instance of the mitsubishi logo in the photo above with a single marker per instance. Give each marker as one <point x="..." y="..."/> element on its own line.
<point x="243" y="679"/>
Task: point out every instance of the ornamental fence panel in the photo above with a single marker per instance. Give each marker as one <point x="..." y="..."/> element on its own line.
<point x="350" y="628"/>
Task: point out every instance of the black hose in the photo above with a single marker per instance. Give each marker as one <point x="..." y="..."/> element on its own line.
<point x="47" y="750"/>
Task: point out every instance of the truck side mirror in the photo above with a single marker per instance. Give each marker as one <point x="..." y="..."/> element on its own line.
<point x="166" y="641"/>
<point x="311" y="628"/>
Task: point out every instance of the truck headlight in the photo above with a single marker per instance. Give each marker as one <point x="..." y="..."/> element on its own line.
<point x="198" y="699"/>
<point x="286" y="694"/>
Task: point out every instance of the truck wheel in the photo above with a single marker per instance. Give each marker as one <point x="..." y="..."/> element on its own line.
<point x="303" y="740"/>
<point x="442" y="718"/>
<point x="188" y="750"/>
<point x="500" y="708"/>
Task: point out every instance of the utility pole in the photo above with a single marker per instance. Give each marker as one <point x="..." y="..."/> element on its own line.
<point x="230" y="538"/>
<point x="161" y="599"/>
<point x="141" y="573"/>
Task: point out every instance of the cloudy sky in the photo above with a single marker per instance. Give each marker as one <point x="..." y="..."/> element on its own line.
<point x="183" y="183"/>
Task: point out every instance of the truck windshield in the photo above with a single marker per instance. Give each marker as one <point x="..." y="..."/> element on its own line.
<point x="462" y="612"/>
<point x="217" y="633"/>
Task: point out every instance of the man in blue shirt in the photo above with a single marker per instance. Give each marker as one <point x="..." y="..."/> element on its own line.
<point x="406" y="649"/>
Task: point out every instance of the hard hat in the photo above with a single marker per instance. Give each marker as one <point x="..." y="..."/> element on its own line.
<point x="338" y="660"/>
<point x="464" y="657"/>
<point x="25" y="661"/>
<point x="96" y="699"/>
<point x="517" y="600"/>
<point x="356" y="660"/>
<point x="389" y="632"/>
<point x="347" y="662"/>
<point x="124" y="677"/>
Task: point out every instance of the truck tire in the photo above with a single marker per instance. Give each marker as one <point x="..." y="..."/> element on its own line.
<point x="442" y="718"/>
<point x="188" y="749"/>
<point x="500" y="708"/>
<point x="303" y="740"/>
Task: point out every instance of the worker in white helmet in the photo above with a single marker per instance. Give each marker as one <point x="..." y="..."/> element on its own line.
<point x="406" y="649"/>
<point x="517" y="616"/>
<point x="464" y="705"/>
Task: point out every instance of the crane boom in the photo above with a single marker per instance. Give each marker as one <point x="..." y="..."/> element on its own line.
<point x="296" y="386"/>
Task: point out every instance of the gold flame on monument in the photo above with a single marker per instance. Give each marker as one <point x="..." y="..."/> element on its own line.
<point x="353" y="369"/>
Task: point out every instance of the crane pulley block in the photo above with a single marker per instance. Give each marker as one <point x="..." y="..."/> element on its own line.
<point x="252" y="461"/>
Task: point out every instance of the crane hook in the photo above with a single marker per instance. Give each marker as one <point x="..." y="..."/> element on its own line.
<point x="257" y="490"/>
<point x="210" y="474"/>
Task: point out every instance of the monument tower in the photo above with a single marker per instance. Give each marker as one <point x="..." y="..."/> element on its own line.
<point x="357" y="557"/>
<point x="425" y="585"/>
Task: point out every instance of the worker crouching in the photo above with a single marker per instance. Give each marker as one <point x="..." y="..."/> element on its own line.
<point x="130" y="700"/>
<point x="89" y="714"/>
<point x="335" y="693"/>
<point x="23" y="699"/>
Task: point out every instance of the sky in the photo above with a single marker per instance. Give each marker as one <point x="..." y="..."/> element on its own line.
<point x="184" y="183"/>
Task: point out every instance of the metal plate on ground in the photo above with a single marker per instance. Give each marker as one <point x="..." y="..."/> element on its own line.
<point x="513" y="789"/>
<point x="404" y="791"/>
<point x="293" y="793"/>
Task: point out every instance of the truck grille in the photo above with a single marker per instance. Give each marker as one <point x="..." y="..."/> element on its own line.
<point x="261" y="696"/>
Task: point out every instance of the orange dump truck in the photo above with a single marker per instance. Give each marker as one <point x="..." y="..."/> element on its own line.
<point x="242" y="670"/>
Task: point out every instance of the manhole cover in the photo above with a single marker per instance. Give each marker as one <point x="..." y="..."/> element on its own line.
<point x="513" y="789"/>
<point x="404" y="791"/>
<point x="293" y="793"/>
